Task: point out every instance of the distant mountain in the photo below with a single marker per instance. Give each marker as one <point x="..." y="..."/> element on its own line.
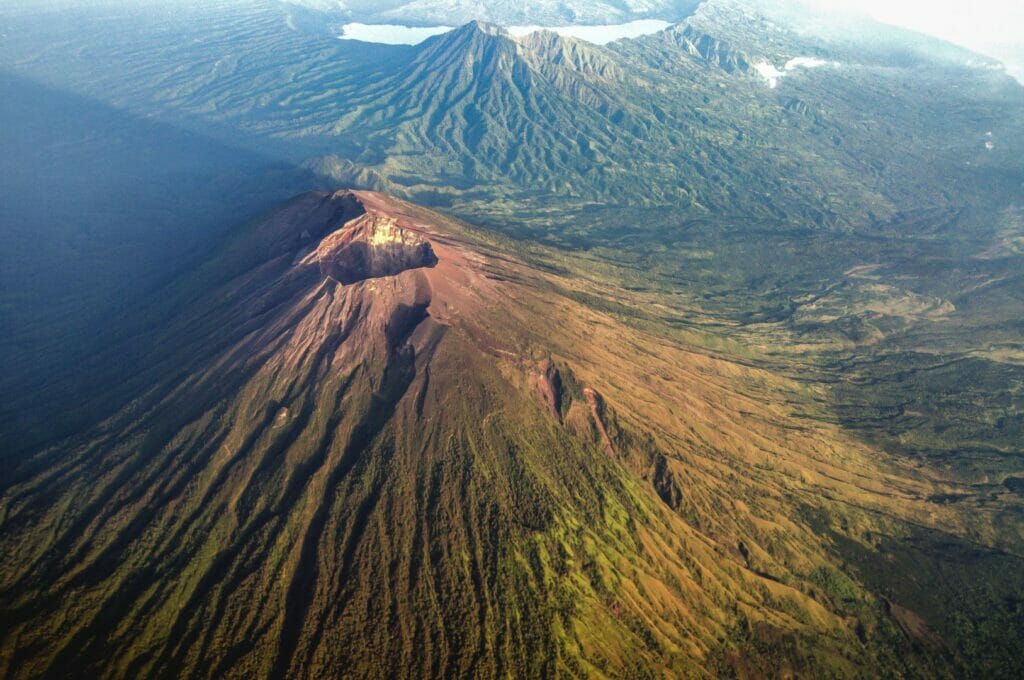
<point x="1013" y="57"/>
<point x="686" y="118"/>
<point x="726" y="113"/>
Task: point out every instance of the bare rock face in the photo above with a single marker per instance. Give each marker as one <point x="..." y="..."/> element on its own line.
<point x="372" y="246"/>
<point x="710" y="50"/>
<point x="596" y="404"/>
<point x="549" y="385"/>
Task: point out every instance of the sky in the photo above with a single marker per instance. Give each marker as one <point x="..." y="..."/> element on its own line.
<point x="992" y="27"/>
<point x="965" y="21"/>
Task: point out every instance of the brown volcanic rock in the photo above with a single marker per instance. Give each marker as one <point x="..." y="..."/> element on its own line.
<point x="597" y="412"/>
<point x="371" y="246"/>
<point x="549" y="386"/>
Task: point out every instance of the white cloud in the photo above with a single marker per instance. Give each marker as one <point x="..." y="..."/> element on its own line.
<point x="773" y="75"/>
<point x="769" y="73"/>
<point x="806" y="62"/>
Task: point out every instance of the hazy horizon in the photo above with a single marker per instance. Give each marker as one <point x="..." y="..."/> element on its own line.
<point x="991" y="27"/>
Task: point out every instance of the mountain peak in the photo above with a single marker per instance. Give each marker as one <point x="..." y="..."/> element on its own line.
<point x="471" y="31"/>
<point x="553" y="49"/>
<point x="483" y="27"/>
<point x="340" y="445"/>
<point x="475" y="38"/>
<point x="388" y="251"/>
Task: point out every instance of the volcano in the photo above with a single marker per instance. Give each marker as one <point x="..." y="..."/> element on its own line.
<point x="384" y="443"/>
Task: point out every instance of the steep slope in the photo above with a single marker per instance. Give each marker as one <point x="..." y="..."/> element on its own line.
<point x="373" y="442"/>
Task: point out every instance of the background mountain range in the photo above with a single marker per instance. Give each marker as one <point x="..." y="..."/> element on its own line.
<point x="726" y="377"/>
<point x="548" y="12"/>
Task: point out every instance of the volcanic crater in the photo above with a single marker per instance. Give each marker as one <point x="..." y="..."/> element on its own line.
<point x="372" y="245"/>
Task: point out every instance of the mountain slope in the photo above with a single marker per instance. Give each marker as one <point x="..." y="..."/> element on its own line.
<point x="447" y="466"/>
<point x="491" y="109"/>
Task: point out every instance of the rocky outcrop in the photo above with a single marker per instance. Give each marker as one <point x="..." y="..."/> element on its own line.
<point x="372" y="246"/>
<point x="547" y="49"/>
<point x="549" y="385"/>
<point x="597" y="412"/>
<point x="709" y="49"/>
